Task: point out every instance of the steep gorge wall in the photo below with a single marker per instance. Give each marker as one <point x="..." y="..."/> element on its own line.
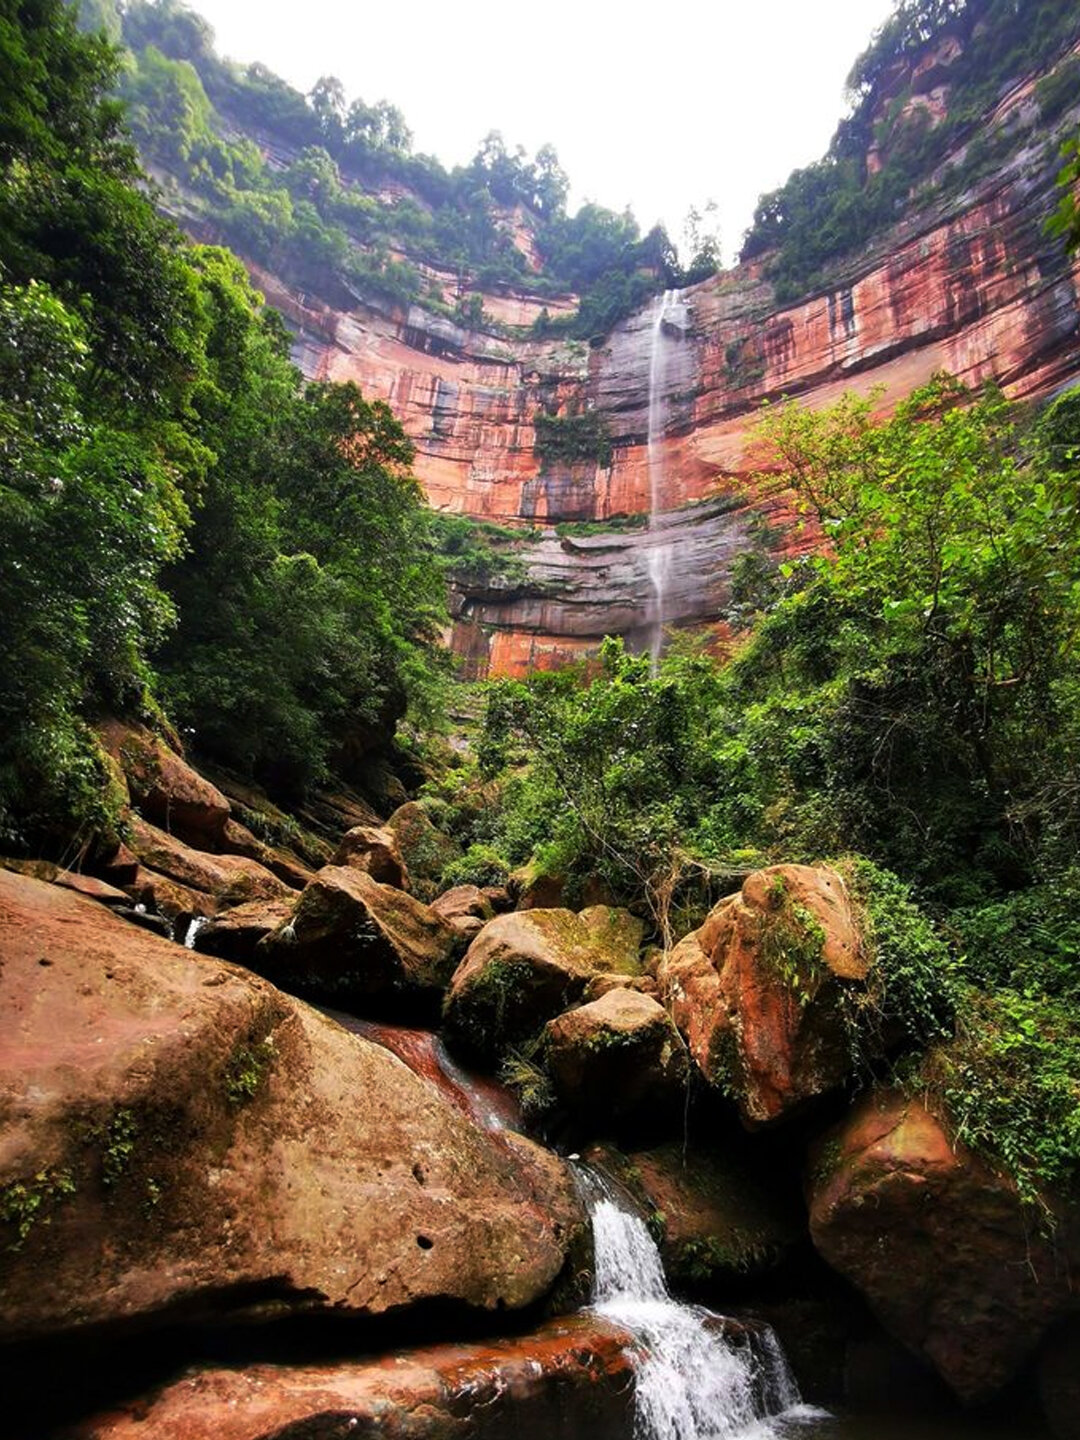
<point x="969" y="284"/>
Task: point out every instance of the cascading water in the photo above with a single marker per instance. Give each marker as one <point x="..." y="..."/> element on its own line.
<point x="191" y="931"/>
<point x="658" y="554"/>
<point x="692" y="1383"/>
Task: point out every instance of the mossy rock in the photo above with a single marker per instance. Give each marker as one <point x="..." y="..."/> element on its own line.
<point x="425" y="849"/>
<point x="525" y="968"/>
<point x="718" y="1220"/>
<point x="354" y="942"/>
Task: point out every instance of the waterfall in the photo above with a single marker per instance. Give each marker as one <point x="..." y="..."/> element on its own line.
<point x="191" y="930"/>
<point x="658" y="553"/>
<point x="692" y="1382"/>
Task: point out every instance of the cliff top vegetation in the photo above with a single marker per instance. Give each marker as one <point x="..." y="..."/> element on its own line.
<point x="329" y="192"/>
<point x="887" y="152"/>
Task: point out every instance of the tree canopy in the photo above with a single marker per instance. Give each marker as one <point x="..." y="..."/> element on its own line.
<point x="182" y="520"/>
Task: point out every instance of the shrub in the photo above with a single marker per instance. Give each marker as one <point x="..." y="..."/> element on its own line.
<point x="480" y="865"/>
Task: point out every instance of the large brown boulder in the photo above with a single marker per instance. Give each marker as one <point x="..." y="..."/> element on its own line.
<point x="572" y="1377"/>
<point x="237" y="839"/>
<point x="466" y="909"/>
<point x="618" y="1056"/>
<point x="939" y="1244"/>
<point x="721" y="1216"/>
<point x="758" y="990"/>
<point x="164" y="787"/>
<point x="231" y="879"/>
<point x="354" y="942"/>
<point x="373" y="850"/>
<point x="179" y="1137"/>
<point x="234" y="934"/>
<point x="525" y="968"/>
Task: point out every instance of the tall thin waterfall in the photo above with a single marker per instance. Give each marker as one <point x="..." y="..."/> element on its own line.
<point x="658" y="554"/>
<point x="691" y="1382"/>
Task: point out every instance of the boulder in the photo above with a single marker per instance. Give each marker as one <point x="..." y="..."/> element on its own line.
<point x="162" y="896"/>
<point x="231" y="879"/>
<point x="617" y="935"/>
<point x="88" y="885"/>
<point x="536" y="891"/>
<point x="375" y="852"/>
<point x="465" y="908"/>
<point x="572" y="1377"/>
<point x="425" y="849"/>
<point x="120" y="866"/>
<point x="758" y="991"/>
<point x="237" y="839"/>
<point x="721" y="1215"/>
<point x="618" y="1056"/>
<point x="234" y="934"/>
<point x="163" y="786"/>
<point x="939" y="1245"/>
<point x="498" y="896"/>
<point x="353" y="942"/>
<point x="600" y="985"/>
<point x="525" y="968"/>
<point x="180" y="1139"/>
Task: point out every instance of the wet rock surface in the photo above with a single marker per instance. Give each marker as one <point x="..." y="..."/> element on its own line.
<point x="721" y="1217"/>
<point x="573" y="1377"/>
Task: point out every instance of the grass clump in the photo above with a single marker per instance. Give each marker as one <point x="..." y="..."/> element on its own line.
<point x="246" y="1071"/>
<point x="522" y="1072"/>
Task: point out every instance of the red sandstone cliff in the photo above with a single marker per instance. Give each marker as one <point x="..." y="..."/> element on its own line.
<point x="969" y="284"/>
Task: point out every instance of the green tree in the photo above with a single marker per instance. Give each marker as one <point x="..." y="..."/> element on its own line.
<point x="935" y="642"/>
<point x="309" y="598"/>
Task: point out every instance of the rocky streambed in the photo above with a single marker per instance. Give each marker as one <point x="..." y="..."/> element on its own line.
<point x="223" y="1212"/>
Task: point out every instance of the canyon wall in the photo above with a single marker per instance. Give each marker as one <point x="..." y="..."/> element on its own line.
<point x="967" y="283"/>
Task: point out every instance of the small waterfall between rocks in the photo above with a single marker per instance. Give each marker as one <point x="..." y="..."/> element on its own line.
<point x="658" y="554"/>
<point x="692" y="1381"/>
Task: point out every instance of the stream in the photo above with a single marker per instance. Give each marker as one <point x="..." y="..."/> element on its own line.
<point x="696" y="1377"/>
<point x="697" y="1374"/>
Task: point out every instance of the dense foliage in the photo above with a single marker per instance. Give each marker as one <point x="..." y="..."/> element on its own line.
<point x="323" y="217"/>
<point x="832" y="208"/>
<point x="180" y="518"/>
<point x="911" y="693"/>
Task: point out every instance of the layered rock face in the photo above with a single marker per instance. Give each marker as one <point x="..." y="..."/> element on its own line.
<point x="968" y="283"/>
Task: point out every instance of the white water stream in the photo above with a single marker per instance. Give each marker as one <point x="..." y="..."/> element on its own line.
<point x="692" y="1382"/>
<point x="658" y="554"/>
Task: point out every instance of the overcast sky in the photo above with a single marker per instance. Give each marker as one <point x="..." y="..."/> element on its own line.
<point x="658" y="107"/>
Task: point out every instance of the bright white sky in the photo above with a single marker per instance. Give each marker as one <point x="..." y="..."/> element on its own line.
<point x="659" y="106"/>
